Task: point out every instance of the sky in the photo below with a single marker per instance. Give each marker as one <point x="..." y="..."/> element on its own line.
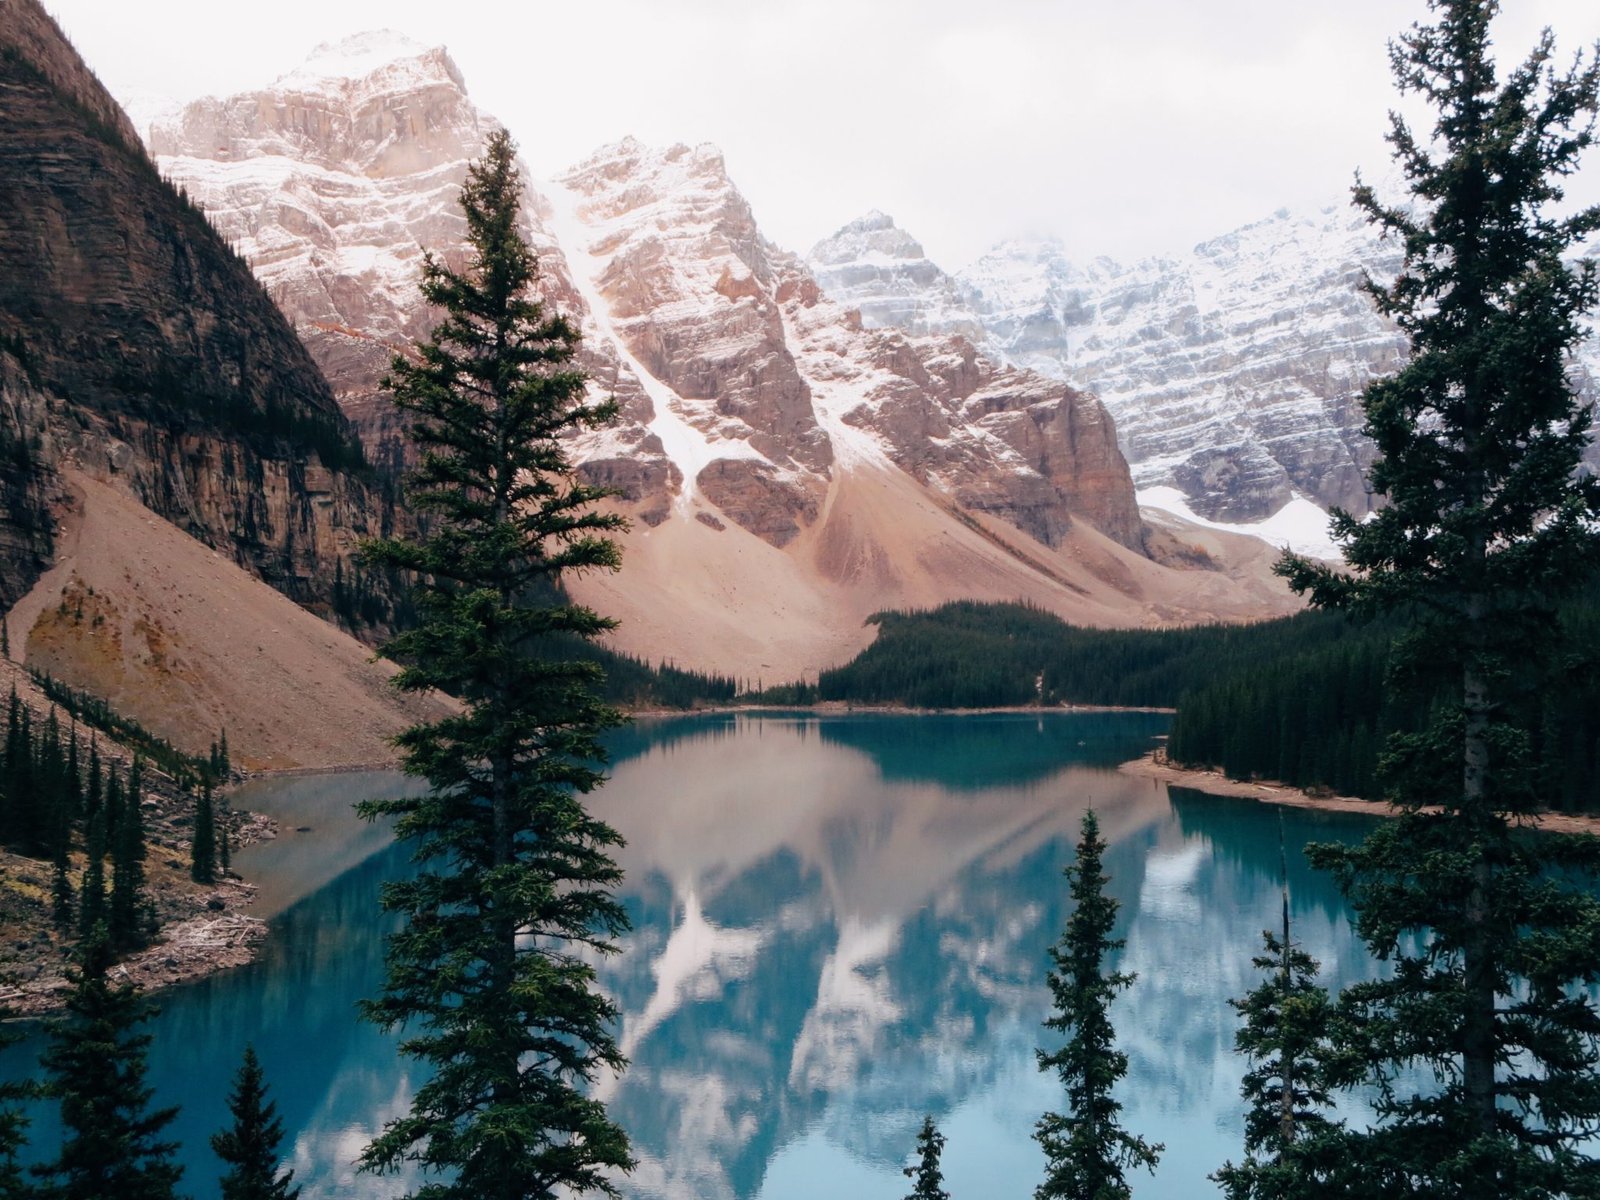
<point x="1124" y="127"/>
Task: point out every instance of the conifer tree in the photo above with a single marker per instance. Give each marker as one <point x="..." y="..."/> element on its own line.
<point x="250" y="1145"/>
<point x="1292" y="1147"/>
<point x="111" y="1142"/>
<point x="203" y="846"/>
<point x="492" y="975"/>
<point x="92" y="909"/>
<point x="927" y="1179"/>
<point x="1086" y="1149"/>
<point x="127" y="913"/>
<point x="1485" y="525"/>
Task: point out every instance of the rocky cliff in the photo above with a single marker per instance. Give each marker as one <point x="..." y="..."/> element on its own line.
<point x="788" y="470"/>
<point x="1234" y="372"/>
<point x="135" y="345"/>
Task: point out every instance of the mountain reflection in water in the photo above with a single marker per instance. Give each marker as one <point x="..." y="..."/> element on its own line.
<point x="840" y="925"/>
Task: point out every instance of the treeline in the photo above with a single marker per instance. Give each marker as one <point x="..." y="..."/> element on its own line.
<point x="186" y="770"/>
<point x="1304" y="699"/>
<point x="633" y="683"/>
<point x="978" y="655"/>
<point x="1321" y="716"/>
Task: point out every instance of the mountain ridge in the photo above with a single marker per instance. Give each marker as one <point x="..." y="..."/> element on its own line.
<point x="760" y="422"/>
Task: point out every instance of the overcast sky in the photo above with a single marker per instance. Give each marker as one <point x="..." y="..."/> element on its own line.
<point x="1125" y="127"/>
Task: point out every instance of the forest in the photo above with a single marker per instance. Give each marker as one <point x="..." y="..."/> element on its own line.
<point x="1303" y="699"/>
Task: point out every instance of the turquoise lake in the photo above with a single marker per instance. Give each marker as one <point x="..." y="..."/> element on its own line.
<point x="841" y="924"/>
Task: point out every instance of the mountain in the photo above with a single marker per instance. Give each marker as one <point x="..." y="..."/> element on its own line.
<point x="136" y="344"/>
<point x="1234" y="371"/>
<point x="161" y="427"/>
<point x="788" y="470"/>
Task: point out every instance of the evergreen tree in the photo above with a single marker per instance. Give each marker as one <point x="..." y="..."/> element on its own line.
<point x="1086" y="1149"/>
<point x="92" y="908"/>
<point x="492" y="972"/>
<point x="127" y="915"/>
<point x="1292" y="1147"/>
<point x="203" y="846"/>
<point x="250" y="1147"/>
<point x="111" y="1141"/>
<point x="927" y="1179"/>
<point x="1486" y="524"/>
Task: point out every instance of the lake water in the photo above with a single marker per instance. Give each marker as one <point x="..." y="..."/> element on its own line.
<point x="841" y="924"/>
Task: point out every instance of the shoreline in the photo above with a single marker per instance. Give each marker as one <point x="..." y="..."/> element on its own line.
<point x="837" y="707"/>
<point x="1270" y="791"/>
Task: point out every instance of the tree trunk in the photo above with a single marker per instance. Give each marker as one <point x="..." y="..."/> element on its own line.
<point x="1478" y="1024"/>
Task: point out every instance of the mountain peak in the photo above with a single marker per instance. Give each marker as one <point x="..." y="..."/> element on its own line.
<point x="362" y="55"/>
<point x="871" y="237"/>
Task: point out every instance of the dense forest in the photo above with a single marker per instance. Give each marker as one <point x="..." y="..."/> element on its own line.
<point x="1300" y="699"/>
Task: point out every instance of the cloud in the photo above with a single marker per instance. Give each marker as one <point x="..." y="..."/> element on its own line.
<point x="1128" y="128"/>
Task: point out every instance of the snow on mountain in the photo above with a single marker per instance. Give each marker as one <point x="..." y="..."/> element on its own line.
<point x="788" y="471"/>
<point x="1234" y="372"/>
<point x="875" y="266"/>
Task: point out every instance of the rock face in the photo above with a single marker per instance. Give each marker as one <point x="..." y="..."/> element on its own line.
<point x="788" y="470"/>
<point x="138" y="347"/>
<point x="331" y="181"/>
<point x="876" y="267"/>
<point x="1234" y="372"/>
<point x="323" y="182"/>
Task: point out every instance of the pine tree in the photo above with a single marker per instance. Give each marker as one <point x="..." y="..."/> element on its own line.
<point x="927" y="1179"/>
<point x="203" y="846"/>
<point x="492" y="973"/>
<point x="1486" y="525"/>
<point x="1086" y="1149"/>
<point x="94" y="1066"/>
<point x="1293" y="1149"/>
<point x="92" y="908"/>
<point x="250" y="1147"/>
<point x="127" y="919"/>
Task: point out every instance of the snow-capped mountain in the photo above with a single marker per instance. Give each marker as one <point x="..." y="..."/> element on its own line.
<point x="789" y="471"/>
<point x="1234" y="372"/>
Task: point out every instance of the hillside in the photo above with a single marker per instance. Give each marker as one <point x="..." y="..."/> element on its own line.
<point x="135" y="345"/>
<point x="170" y="632"/>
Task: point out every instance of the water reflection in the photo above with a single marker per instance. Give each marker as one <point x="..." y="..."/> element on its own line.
<point x="840" y="925"/>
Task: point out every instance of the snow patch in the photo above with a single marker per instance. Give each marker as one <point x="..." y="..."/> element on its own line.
<point x="1299" y="525"/>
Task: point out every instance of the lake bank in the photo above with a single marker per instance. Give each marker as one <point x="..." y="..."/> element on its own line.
<point x="1267" y="791"/>
<point x="296" y="832"/>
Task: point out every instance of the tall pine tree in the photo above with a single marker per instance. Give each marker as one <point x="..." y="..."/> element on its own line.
<point x="128" y="913"/>
<point x="1087" y="1152"/>
<point x="111" y="1141"/>
<point x="1485" y="525"/>
<point x="250" y="1145"/>
<point x="491" y="975"/>
<point x="1292" y="1145"/>
<point x="203" y="845"/>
